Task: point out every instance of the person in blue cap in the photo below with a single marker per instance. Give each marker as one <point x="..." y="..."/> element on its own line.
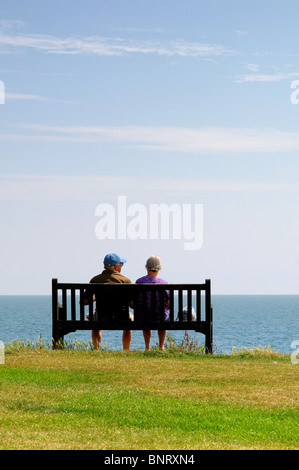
<point x="113" y="264"/>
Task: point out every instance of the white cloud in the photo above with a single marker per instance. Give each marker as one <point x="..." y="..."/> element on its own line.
<point x="92" y="188"/>
<point x="24" y="96"/>
<point x="10" y="24"/>
<point x="168" y="139"/>
<point x="240" y="33"/>
<point x="95" y="45"/>
<point x="11" y="96"/>
<point x="260" y="77"/>
<point x="252" y="67"/>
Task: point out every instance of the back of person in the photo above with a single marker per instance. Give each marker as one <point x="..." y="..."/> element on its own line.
<point x="110" y="277"/>
<point x="149" y="308"/>
<point x="109" y="307"/>
<point x="152" y="306"/>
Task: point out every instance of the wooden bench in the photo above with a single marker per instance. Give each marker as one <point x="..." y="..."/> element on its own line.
<point x="70" y="312"/>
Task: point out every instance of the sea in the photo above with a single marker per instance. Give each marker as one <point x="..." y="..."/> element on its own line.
<point x="238" y="321"/>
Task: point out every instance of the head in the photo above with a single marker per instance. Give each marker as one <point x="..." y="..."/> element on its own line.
<point x="153" y="265"/>
<point x="113" y="262"/>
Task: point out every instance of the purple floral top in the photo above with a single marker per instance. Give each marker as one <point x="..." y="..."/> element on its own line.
<point x="147" y="311"/>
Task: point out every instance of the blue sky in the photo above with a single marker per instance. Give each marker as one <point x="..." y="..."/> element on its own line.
<point x="163" y="102"/>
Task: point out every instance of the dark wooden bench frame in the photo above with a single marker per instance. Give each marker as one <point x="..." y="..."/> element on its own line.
<point x="66" y="318"/>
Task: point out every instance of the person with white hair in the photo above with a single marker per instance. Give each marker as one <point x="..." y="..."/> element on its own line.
<point x="153" y="266"/>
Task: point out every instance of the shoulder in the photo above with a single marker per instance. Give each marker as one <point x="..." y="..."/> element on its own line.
<point x="96" y="279"/>
<point x="121" y="278"/>
<point x="107" y="276"/>
<point x="161" y="281"/>
<point x="142" y="280"/>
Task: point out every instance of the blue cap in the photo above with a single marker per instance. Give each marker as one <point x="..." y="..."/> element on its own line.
<point x="112" y="259"/>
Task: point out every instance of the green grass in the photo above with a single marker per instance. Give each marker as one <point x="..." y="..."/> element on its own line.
<point x="85" y="399"/>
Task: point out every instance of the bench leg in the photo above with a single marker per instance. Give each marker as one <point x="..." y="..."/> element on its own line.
<point x="208" y="344"/>
<point x="209" y="340"/>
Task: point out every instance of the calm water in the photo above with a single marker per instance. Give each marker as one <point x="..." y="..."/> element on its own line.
<point x="239" y="320"/>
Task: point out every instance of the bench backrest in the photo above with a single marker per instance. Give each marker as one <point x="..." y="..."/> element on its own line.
<point x="189" y="307"/>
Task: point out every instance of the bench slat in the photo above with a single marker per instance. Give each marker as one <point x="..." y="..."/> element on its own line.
<point x="121" y="294"/>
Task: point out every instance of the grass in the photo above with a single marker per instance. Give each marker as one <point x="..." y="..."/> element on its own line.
<point x="77" y="398"/>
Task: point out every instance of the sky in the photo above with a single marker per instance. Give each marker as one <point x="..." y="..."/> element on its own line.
<point x="110" y="110"/>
